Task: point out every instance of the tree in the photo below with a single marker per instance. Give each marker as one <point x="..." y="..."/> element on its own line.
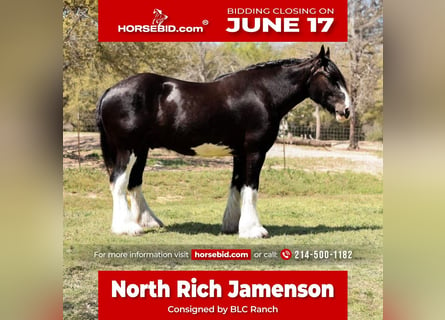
<point x="206" y="61"/>
<point x="203" y="61"/>
<point x="364" y="43"/>
<point x="89" y="67"/>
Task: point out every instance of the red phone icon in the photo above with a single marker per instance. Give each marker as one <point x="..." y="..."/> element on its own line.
<point x="286" y="254"/>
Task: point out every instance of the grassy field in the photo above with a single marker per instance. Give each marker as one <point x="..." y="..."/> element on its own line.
<point x="301" y="210"/>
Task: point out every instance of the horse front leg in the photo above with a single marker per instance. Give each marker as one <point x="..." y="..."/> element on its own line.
<point x="249" y="223"/>
<point x="232" y="213"/>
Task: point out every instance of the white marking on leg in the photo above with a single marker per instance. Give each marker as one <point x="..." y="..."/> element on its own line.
<point x="141" y="212"/>
<point x="249" y="224"/>
<point x="122" y="218"/>
<point x="233" y="212"/>
<point x="212" y="150"/>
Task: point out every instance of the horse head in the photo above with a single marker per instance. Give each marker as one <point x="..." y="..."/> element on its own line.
<point x="327" y="86"/>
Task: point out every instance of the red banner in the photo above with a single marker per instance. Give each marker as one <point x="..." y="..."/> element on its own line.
<point x="223" y="294"/>
<point x="231" y="20"/>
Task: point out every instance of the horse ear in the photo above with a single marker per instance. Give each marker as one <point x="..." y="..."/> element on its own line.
<point x="322" y="52"/>
<point x="328" y="53"/>
<point x="323" y="57"/>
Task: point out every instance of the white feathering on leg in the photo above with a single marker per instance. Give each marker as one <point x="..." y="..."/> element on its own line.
<point x="122" y="217"/>
<point x="140" y="211"/>
<point x="249" y="224"/>
<point x="233" y="212"/>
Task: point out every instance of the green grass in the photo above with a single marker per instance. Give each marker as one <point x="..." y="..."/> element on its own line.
<point x="300" y="209"/>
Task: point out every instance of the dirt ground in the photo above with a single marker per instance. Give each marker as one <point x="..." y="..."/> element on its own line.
<point x="368" y="159"/>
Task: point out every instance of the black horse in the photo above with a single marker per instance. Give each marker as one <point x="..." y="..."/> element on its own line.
<point x="238" y="114"/>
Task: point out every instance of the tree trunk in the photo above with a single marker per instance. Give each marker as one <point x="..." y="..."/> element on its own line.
<point x="355" y="85"/>
<point x="353" y="141"/>
<point x="318" y="122"/>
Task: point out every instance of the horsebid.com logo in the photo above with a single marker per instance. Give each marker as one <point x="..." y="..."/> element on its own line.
<point x="157" y="25"/>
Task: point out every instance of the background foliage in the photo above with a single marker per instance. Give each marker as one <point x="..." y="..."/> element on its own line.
<point x="90" y="67"/>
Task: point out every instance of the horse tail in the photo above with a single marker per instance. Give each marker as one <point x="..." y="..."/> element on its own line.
<point x="108" y="151"/>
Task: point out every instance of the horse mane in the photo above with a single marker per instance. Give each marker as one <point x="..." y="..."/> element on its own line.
<point x="267" y="64"/>
<point x="330" y="68"/>
<point x="273" y="63"/>
<point x="335" y="73"/>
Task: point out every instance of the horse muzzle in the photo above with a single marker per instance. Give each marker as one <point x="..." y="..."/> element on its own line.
<point x="342" y="115"/>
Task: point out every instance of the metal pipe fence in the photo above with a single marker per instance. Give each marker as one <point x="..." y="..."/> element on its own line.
<point x="339" y="133"/>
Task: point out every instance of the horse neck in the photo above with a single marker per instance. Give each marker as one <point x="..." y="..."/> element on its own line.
<point x="290" y="88"/>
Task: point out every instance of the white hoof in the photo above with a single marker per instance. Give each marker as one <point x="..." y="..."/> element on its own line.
<point x="254" y="233"/>
<point x="150" y="221"/>
<point x="130" y="228"/>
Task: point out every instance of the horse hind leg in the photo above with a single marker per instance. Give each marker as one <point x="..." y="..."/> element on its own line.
<point x="140" y="211"/>
<point x="122" y="222"/>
